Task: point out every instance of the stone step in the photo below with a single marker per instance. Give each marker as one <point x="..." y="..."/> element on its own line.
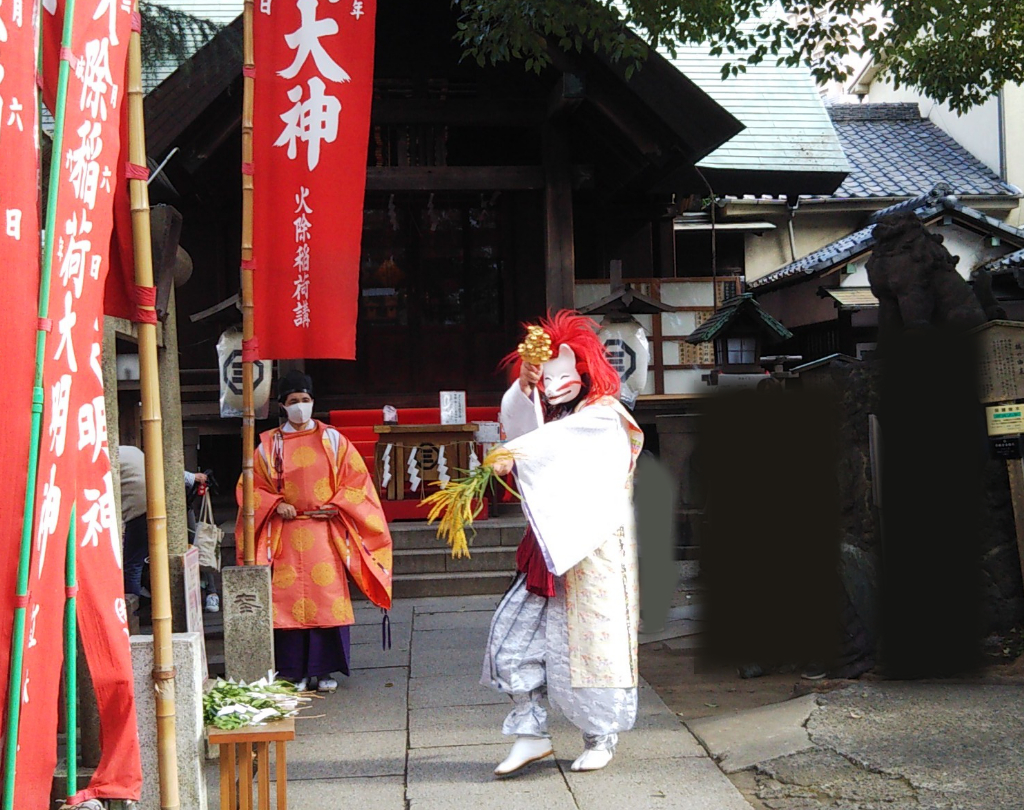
<point x="418" y="534"/>
<point x="463" y="583"/>
<point x="438" y="560"/>
<point x="498" y="531"/>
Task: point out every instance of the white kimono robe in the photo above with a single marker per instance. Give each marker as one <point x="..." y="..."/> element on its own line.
<point x="575" y="476"/>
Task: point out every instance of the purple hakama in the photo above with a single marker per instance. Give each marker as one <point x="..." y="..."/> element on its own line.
<point x="311" y="653"/>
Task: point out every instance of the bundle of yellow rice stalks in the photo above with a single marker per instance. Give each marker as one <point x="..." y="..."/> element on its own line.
<point x="459" y="502"/>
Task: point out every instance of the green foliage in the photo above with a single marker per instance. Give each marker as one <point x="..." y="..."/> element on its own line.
<point x="231" y="705"/>
<point x="169" y="35"/>
<point x="955" y="51"/>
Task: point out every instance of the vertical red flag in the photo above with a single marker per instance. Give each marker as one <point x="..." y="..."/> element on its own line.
<point x="19" y="274"/>
<point x="119" y="289"/>
<point x="314" y="84"/>
<point x="74" y="464"/>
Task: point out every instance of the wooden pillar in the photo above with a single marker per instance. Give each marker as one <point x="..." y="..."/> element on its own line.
<point x="560" y="254"/>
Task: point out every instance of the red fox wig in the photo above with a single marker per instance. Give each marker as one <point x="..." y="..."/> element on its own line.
<point x="579" y="333"/>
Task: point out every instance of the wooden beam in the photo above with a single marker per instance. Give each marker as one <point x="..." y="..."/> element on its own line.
<point x="454" y="178"/>
<point x="458" y="112"/>
<point x="559" y="248"/>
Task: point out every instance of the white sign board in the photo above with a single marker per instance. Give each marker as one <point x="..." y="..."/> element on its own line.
<point x="453" y="407"/>
<point x="1005" y="420"/>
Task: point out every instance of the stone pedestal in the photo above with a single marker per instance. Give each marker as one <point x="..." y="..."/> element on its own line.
<point x="678" y="437"/>
<point x="248" y="622"/>
<point x="176" y="573"/>
<point x="188" y="688"/>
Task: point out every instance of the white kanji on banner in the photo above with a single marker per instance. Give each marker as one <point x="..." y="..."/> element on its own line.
<point x="83" y="163"/>
<point x="60" y="396"/>
<point x="305" y="41"/>
<point x="64" y="327"/>
<point x="72" y="267"/>
<point x="310" y="121"/>
<point x="94" y="71"/>
<point x="49" y="515"/>
<point x="92" y="426"/>
<point x="99" y="517"/>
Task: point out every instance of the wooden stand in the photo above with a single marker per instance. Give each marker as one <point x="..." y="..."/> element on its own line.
<point x="427" y="440"/>
<point x="236" y="753"/>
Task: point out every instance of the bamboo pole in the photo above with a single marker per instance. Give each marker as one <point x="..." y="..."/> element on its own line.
<point x="152" y="436"/>
<point x="71" y="657"/>
<point x="248" y="409"/>
<point x="25" y="550"/>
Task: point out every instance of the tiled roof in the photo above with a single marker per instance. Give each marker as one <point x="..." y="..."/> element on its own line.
<point x="787" y="127"/>
<point x="1004" y="264"/>
<point x="894" y="152"/>
<point x="860" y="242"/>
<point x="729" y="311"/>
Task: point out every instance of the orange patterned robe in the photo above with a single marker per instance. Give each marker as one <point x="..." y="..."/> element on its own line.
<point x="310" y="556"/>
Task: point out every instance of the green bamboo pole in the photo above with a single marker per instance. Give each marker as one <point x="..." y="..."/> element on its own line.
<point x="71" y="657"/>
<point x="24" y="554"/>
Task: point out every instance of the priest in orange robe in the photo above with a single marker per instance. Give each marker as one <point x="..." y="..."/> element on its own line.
<point x="318" y="523"/>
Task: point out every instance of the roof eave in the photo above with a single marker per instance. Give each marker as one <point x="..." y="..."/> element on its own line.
<point x="998" y="203"/>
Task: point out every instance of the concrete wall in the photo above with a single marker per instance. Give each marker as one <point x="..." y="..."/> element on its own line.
<point x="813" y="228"/>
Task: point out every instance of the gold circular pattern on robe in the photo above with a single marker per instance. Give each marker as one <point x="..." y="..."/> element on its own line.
<point x="323" y="574"/>
<point x="303" y="456"/>
<point x="383" y="556"/>
<point x="304" y="611"/>
<point x="257" y="499"/>
<point x="322" y="491"/>
<point x="375" y="524"/>
<point x="302" y="538"/>
<point x="356" y="462"/>
<point x="284" y="575"/>
<point x="355" y="495"/>
<point x="290" y="492"/>
<point x="341" y="610"/>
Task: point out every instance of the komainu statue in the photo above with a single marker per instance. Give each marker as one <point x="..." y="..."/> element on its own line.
<point x="915" y="280"/>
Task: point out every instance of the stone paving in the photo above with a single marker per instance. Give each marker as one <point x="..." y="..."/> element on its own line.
<point x="412" y="729"/>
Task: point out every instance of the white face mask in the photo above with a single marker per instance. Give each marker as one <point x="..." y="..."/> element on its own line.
<point x="562" y="381"/>
<point x="299" y="413"/>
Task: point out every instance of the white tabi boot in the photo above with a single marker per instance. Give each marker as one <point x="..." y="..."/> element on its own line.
<point x="592" y="759"/>
<point x="597" y="752"/>
<point x="524" y="751"/>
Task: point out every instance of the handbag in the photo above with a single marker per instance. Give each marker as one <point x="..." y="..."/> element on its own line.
<point x="208" y="536"/>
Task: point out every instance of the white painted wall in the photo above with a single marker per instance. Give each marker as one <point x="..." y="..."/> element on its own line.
<point x="218" y="11"/>
<point x="972" y="249"/>
<point x="813" y="228"/>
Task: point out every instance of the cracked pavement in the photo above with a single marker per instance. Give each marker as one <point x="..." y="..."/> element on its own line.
<point x="947" y="746"/>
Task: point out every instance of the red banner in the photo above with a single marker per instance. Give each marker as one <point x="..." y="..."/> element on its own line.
<point x="314" y="84"/>
<point x="74" y="467"/>
<point x="119" y="290"/>
<point x="19" y="274"/>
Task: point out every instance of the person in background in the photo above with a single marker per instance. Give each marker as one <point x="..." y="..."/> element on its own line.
<point x="317" y="516"/>
<point x="133" y="514"/>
